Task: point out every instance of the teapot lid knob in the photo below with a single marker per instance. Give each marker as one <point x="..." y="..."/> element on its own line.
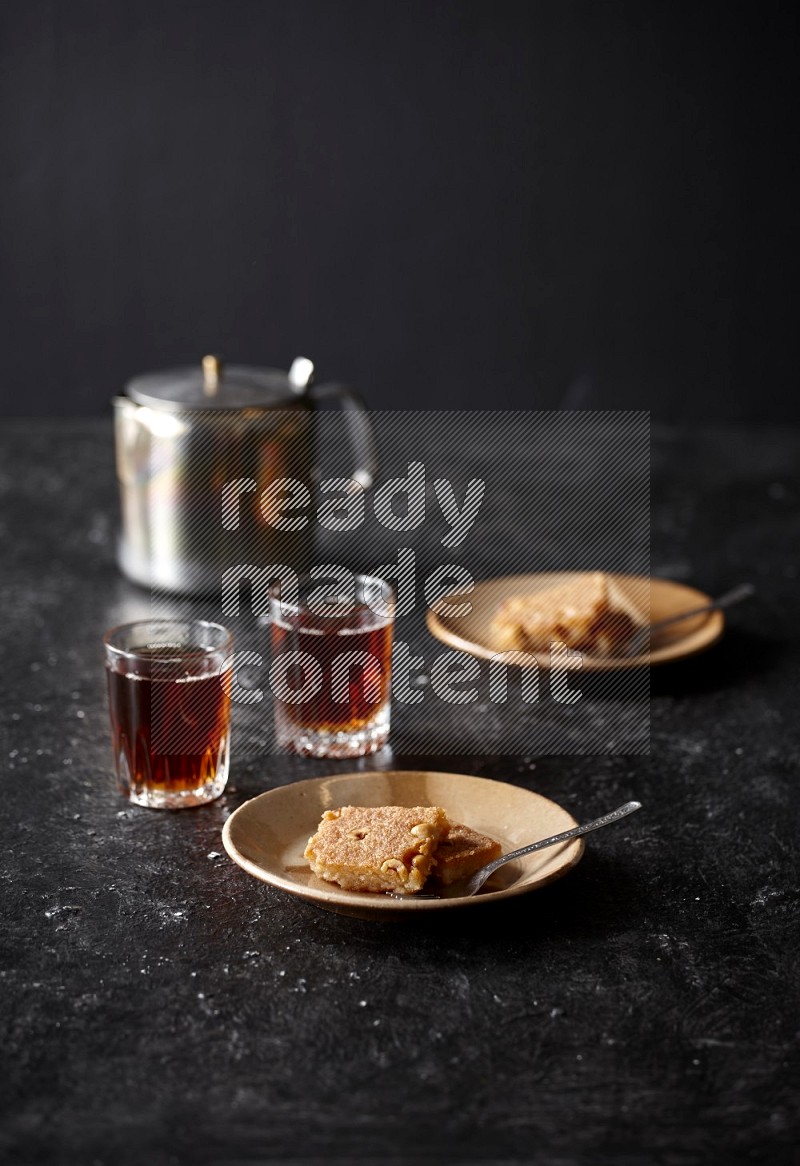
<point x="212" y="374"/>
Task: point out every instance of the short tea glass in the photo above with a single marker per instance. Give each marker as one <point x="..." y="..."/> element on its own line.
<point x="169" y="685"/>
<point x="331" y="669"/>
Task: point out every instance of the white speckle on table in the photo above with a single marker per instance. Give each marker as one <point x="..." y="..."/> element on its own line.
<point x="64" y="909"/>
<point x="763" y="896"/>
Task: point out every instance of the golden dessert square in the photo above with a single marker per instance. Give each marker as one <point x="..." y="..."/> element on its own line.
<point x="376" y="848"/>
<point x="461" y="852"/>
<point x="578" y="613"/>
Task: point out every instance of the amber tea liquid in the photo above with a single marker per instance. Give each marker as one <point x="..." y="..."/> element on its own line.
<point x="347" y="713"/>
<point x="170" y="717"/>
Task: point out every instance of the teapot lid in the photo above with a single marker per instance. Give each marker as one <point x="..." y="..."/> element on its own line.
<point x="210" y="385"/>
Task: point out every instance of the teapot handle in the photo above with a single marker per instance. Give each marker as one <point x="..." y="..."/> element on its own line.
<point x="359" y="427"/>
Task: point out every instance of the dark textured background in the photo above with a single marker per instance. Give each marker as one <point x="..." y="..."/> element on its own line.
<point x="451" y="203"/>
<point x="162" y="1008"/>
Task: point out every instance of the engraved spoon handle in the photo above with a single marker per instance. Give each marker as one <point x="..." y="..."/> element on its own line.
<point x="479" y="878"/>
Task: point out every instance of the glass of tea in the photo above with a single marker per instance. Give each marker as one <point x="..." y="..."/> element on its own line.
<point x="169" y="685"/>
<point x="331" y="668"/>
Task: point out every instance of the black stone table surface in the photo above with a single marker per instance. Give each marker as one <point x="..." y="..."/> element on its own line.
<point x="160" y="1006"/>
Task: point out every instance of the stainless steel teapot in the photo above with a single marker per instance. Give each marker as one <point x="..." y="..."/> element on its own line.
<point x="184" y="435"/>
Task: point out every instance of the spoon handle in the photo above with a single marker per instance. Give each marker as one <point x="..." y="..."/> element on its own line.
<point x="482" y="875"/>
<point x="736" y="595"/>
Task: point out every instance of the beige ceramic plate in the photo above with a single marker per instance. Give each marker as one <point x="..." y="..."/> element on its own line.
<point x="646" y="601"/>
<point x="267" y="836"/>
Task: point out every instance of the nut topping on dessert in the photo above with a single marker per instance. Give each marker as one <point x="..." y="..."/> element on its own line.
<point x="395" y="848"/>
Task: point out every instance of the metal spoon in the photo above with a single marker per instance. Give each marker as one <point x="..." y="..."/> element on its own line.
<point x="640" y="638"/>
<point x="464" y="888"/>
